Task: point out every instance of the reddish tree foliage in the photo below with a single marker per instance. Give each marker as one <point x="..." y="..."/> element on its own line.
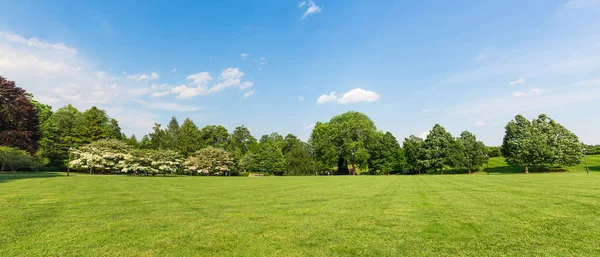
<point x="19" y="126"/>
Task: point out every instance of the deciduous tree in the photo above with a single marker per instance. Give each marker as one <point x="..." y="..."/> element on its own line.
<point x="440" y="148"/>
<point x="472" y="152"/>
<point x="19" y="121"/>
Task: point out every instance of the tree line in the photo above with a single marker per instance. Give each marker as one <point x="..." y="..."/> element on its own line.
<point x="348" y="144"/>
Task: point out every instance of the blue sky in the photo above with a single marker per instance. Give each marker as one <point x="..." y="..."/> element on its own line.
<point x="282" y="65"/>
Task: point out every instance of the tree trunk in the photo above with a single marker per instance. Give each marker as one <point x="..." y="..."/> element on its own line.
<point x="526" y="169"/>
<point x="353" y="169"/>
<point x="442" y="170"/>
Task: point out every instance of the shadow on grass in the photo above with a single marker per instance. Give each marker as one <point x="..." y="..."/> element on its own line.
<point x="594" y="168"/>
<point x="9" y="176"/>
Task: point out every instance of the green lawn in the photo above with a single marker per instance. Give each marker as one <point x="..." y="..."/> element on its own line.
<point x="554" y="214"/>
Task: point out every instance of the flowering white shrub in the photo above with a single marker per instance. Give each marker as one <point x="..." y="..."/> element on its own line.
<point x="115" y="156"/>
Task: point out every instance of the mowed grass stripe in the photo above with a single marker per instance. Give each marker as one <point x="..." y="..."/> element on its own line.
<point x="536" y="214"/>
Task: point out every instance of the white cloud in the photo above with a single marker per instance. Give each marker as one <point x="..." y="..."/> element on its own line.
<point x="160" y="94"/>
<point x="312" y="9"/>
<point x="174" y="70"/>
<point x="160" y="86"/>
<point x="101" y="75"/>
<point x="231" y="73"/>
<point x="425" y="111"/>
<point x="184" y="91"/>
<point x="531" y="92"/>
<point x="301" y="98"/>
<point x="353" y="96"/>
<point x="246" y="84"/>
<point x="424" y="134"/>
<point x="327" y="98"/>
<point x="249" y="93"/>
<point x="34" y="42"/>
<point x="143" y="77"/>
<point x="139" y="91"/>
<point x="56" y="73"/>
<point x="168" y="106"/>
<point x="243" y="56"/>
<point x="507" y="106"/>
<point x="517" y="82"/>
<point x="480" y="123"/>
<point x="200" y="79"/>
<point x="575" y="4"/>
<point x="301" y="4"/>
<point x="230" y="77"/>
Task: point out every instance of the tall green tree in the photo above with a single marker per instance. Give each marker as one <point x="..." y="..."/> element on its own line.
<point x="273" y="138"/>
<point x="385" y="152"/>
<point x="44" y="110"/>
<point x="242" y="139"/>
<point x="190" y="138"/>
<point x="19" y="120"/>
<point x="542" y="142"/>
<point x="131" y="141"/>
<point x="441" y="148"/>
<point x="345" y="138"/>
<point x="60" y="132"/>
<point x="415" y="154"/>
<point x="289" y="142"/>
<point x="158" y="139"/>
<point x="299" y="160"/>
<point x="215" y="136"/>
<point x="265" y="157"/>
<point x="563" y="146"/>
<point x="172" y="134"/>
<point x="472" y="152"/>
<point x="523" y="144"/>
<point x="96" y="125"/>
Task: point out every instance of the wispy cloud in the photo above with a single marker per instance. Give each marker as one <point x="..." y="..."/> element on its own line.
<point x="312" y="9"/>
<point x="243" y="56"/>
<point x="168" y="106"/>
<point x="144" y="77"/>
<point x="353" y="96"/>
<point x="199" y="83"/>
<point x="531" y="92"/>
<point x="249" y="93"/>
<point x="34" y="42"/>
<point x="575" y="4"/>
<point x="517" y="82"/>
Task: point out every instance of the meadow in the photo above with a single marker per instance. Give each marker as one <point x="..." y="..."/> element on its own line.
<point x="504" y="213"/>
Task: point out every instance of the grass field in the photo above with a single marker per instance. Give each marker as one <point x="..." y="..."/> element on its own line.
<point x="554" y="214"/>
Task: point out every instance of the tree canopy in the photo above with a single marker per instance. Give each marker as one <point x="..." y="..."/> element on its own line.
<point x="541" y="142"/>
<point x="19" y="121"/>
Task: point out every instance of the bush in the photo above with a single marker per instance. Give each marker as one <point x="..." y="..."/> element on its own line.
<point x="592" y="149"/>
<point x="14" y="159"/>
<point x="494" y="151"/>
